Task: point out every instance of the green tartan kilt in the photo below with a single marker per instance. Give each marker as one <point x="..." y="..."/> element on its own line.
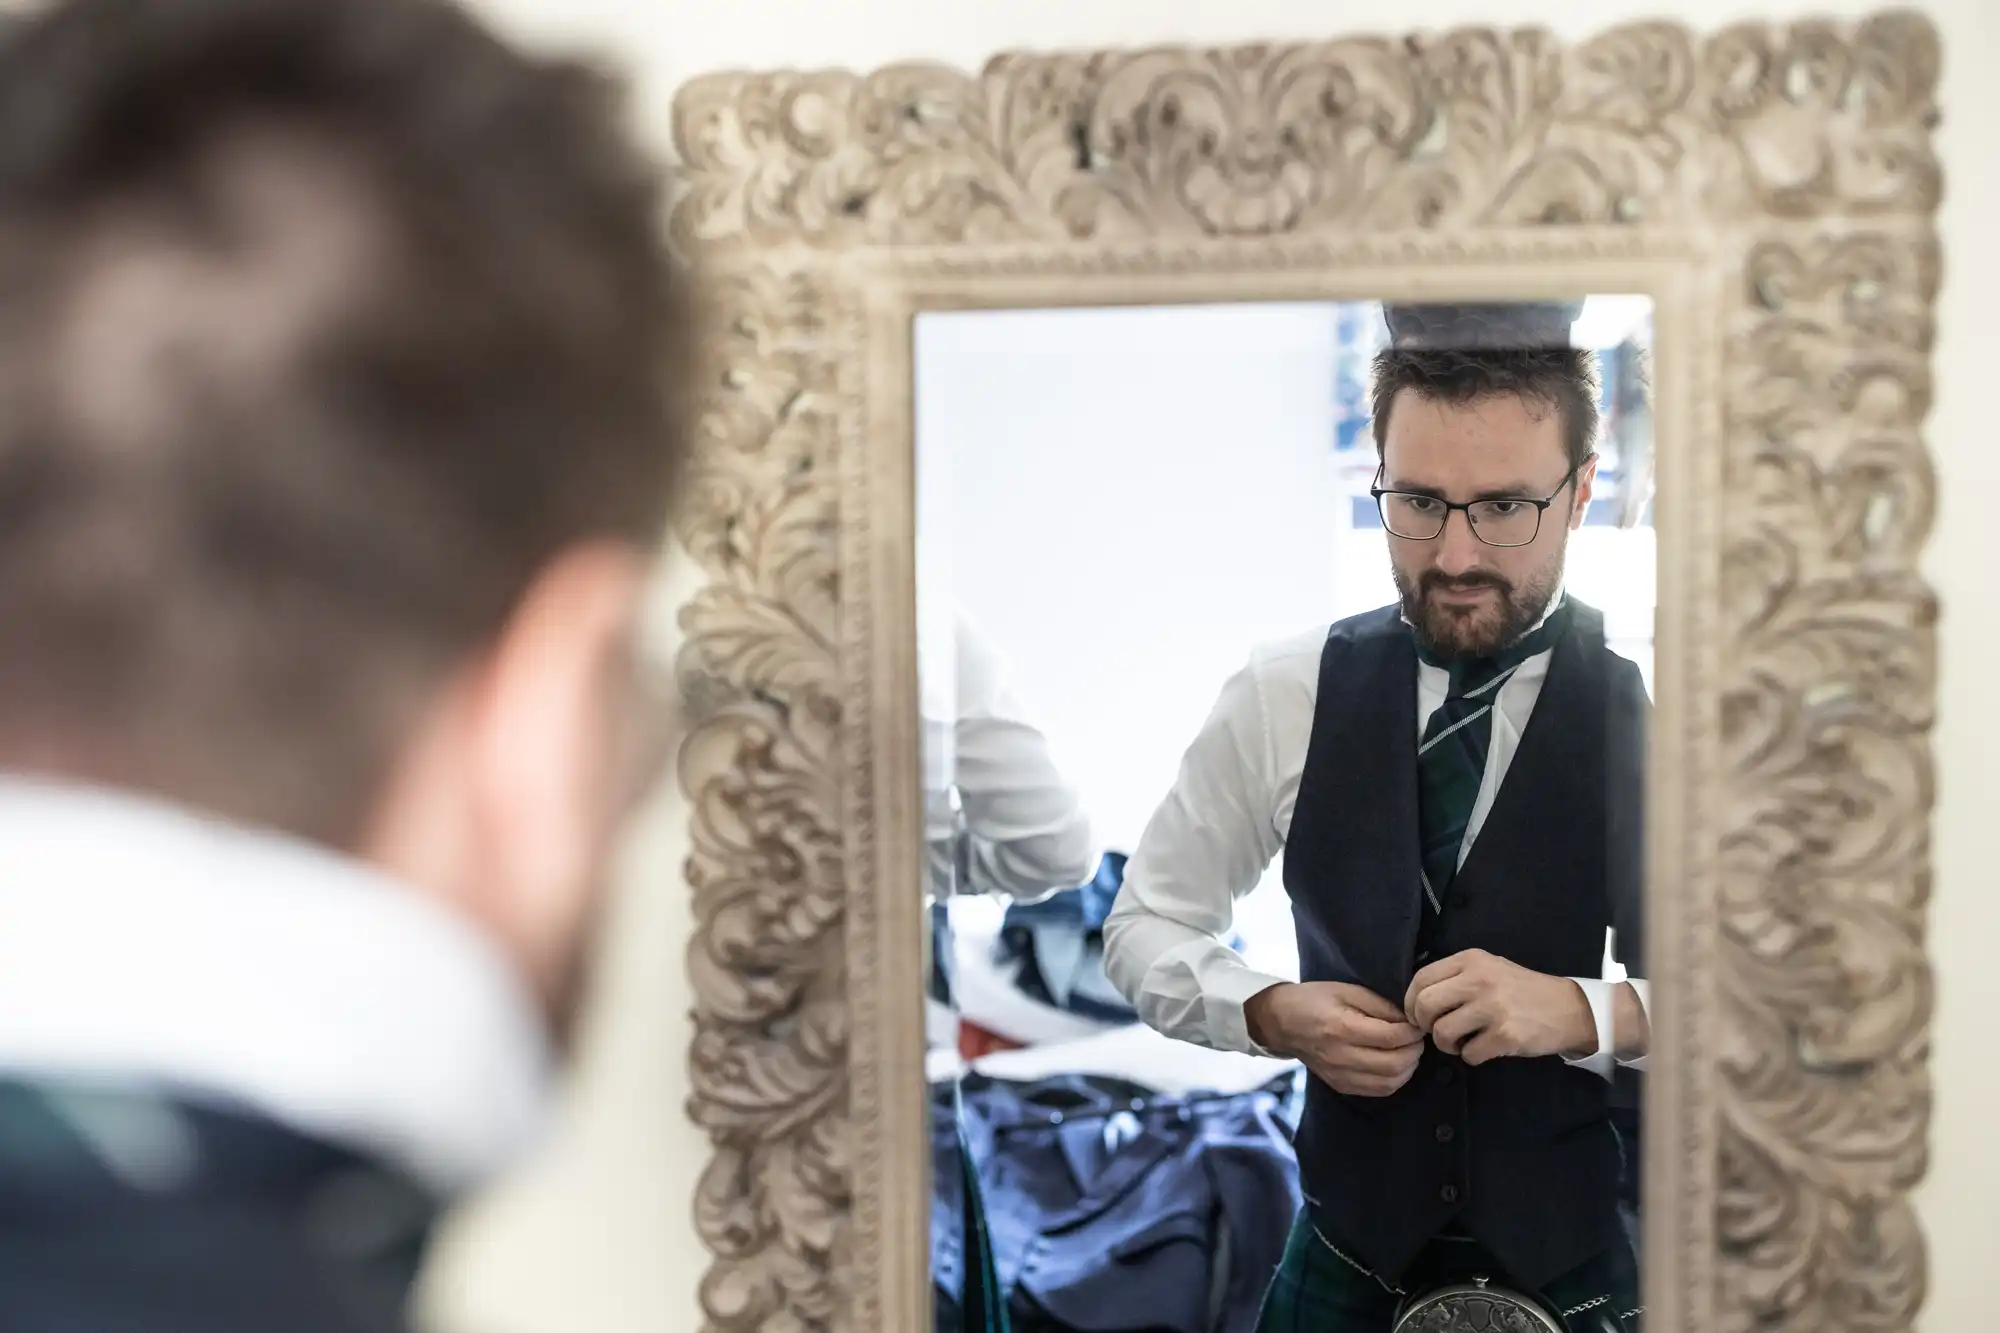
<point x="1318" y="1289"/>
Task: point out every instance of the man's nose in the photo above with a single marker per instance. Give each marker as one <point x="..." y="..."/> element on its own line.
<point x="1459" y="551"/>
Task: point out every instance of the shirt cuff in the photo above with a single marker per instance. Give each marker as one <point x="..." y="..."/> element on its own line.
<point x="1597" y="992"/>
<point x="1644" y="990"/>
<point x="1224" y="993"/>
<point x="1600" y="996"/>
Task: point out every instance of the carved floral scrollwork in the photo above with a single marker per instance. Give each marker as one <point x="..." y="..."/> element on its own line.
<point x="1825" y="715"/>
<point x="760" y="765"/>
<point x="1468" y="128"/>
<point x="1789" y="171"/>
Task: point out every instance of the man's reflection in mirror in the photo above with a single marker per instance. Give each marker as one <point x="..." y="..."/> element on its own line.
<point x="1455" y="783"/>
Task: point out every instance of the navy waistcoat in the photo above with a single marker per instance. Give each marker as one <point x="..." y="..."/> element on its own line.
<point x="1520" y="1152"/>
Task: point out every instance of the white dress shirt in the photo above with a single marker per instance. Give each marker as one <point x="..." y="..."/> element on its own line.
<point x="1024" y="830"/>
<point x="1228" y="816"/>
<point x="998" y="815"/>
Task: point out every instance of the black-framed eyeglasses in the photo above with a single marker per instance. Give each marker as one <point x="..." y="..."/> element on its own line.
<point x="1506" y="521"/>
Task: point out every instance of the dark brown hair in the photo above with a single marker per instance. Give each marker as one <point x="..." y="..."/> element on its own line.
<point x="1564" y="379"/>
<point x="324" y="326"/>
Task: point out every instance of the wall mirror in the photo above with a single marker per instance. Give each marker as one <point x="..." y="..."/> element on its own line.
<point x="1436" y="520"/>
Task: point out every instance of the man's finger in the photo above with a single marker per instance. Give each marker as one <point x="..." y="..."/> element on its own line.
<point x="1374" y="1085"/>
<point x="1436" y="972"/>
<point x="1440" y="998"/>
<point x="1350" y="1082"/>
<point x="1487" y="1044"/>
<point x="1371" y="1004"/>
<point x="1365" y="1060"/>
<point x="1381" y="1034"/>
<point x="1457" y="1027"/>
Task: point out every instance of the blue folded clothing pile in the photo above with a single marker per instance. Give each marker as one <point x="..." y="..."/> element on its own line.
<point x="1110" y="1209"/>
<point x="1054" y="949"/>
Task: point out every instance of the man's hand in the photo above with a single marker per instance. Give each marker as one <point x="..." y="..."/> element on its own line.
<point x="1352" y="1039"/>
<point x="1479" y="1008"/>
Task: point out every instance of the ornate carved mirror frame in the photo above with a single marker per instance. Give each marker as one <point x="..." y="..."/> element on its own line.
<point x="1773" y="188"/>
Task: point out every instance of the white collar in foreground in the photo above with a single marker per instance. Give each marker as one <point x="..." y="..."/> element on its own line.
<point x="144" y="944"/>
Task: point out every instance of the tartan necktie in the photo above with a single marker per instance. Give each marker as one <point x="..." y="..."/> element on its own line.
<point x="1451" y="758"/>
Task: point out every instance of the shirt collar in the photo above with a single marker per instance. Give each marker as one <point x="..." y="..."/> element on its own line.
<point x="144" y="944"/>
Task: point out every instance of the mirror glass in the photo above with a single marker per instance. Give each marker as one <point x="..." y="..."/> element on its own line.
<point x="1285" y="672"/>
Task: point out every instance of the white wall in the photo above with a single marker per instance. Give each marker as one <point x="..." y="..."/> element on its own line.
<point x="598" y="1236"/>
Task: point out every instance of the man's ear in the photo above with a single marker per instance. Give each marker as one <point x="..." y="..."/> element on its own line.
<point x="1586" y="481"/>
<point x="550" y="692"/>
<point x="505" y="805"/>
<point x="539" y="721"/>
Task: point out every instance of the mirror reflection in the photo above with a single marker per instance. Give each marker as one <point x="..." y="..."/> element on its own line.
<point x="1285" y="674"/>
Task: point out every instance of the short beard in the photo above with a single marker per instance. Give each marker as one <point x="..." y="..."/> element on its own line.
<point x="1448" y="634"/>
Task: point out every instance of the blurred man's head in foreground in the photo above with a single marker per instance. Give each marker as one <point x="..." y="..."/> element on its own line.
<point x="339" y="422"/>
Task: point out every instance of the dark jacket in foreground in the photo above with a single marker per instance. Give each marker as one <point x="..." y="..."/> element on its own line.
<point x="122" y="1212"/>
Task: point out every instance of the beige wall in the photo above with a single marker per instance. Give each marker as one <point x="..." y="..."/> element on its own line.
<point x="598" y="1237"/>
